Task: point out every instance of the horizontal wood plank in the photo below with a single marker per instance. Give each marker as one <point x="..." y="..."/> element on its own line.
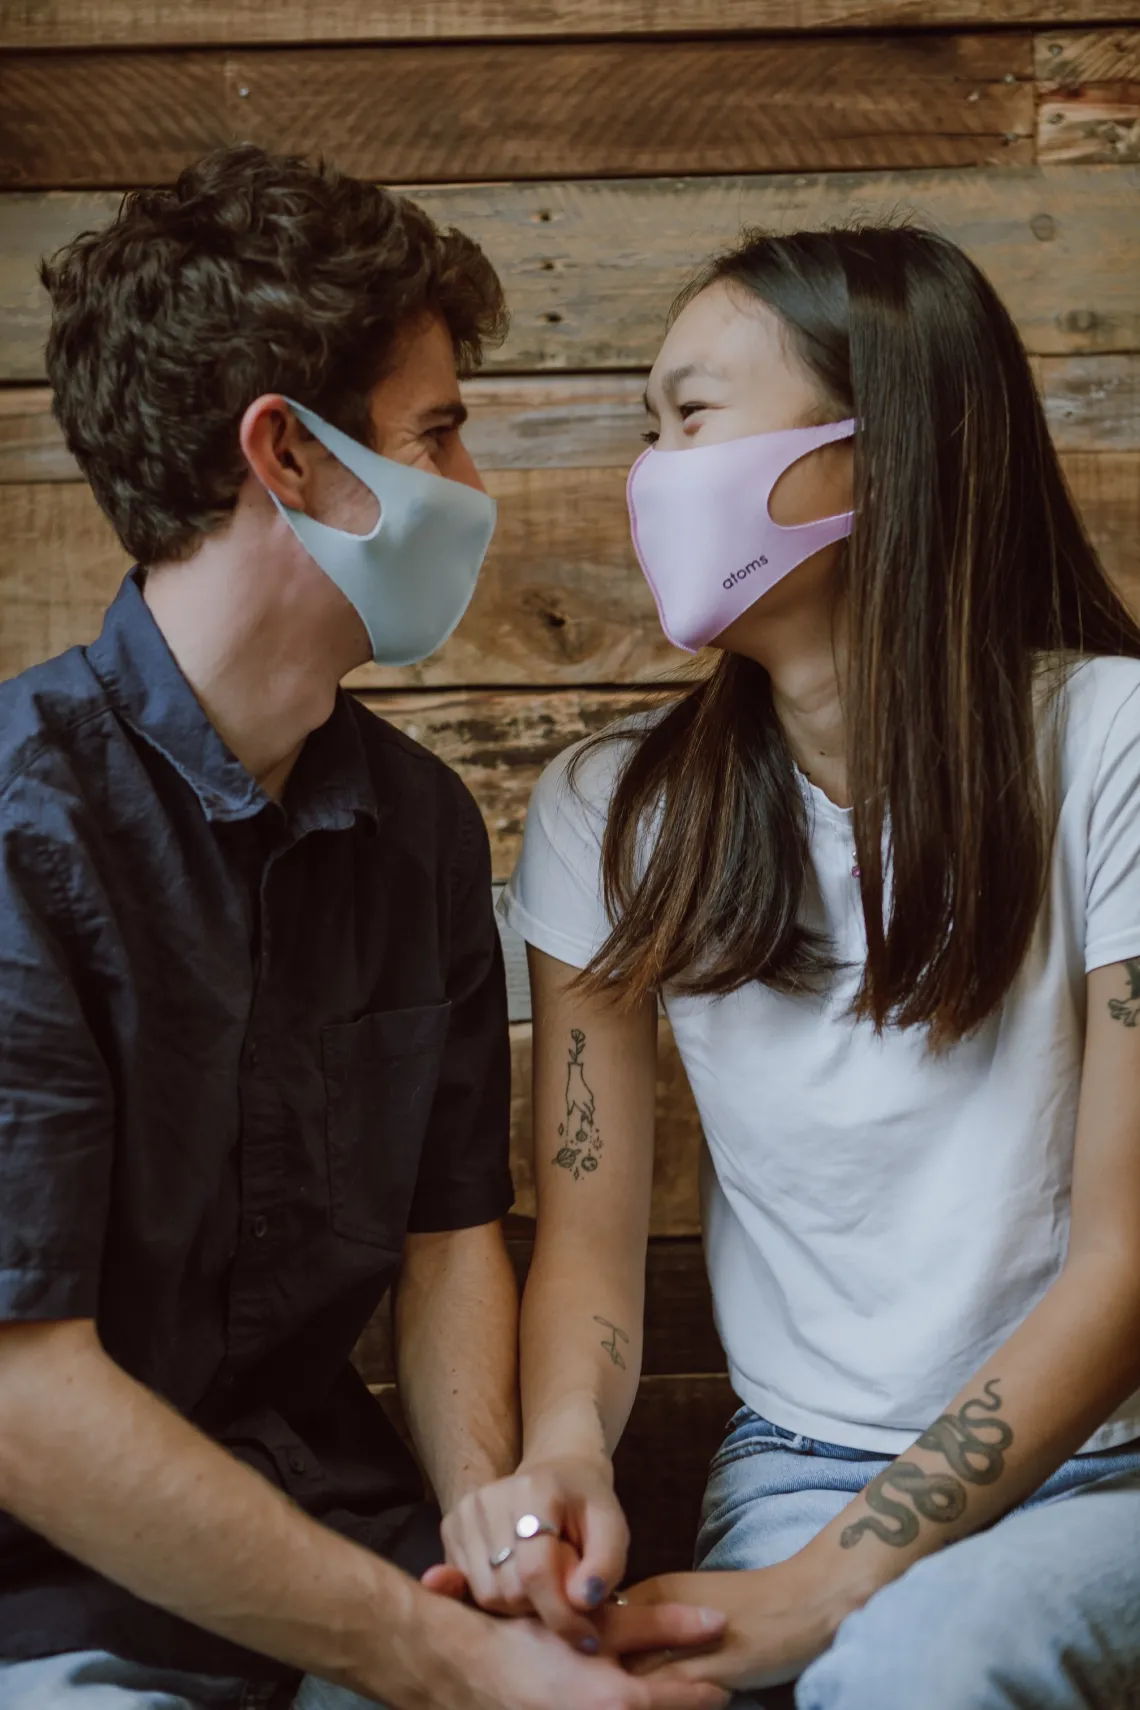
<point x="675" y="1206"/>
<point x="680" y="1335"/>
<point x="544" y="110"/>
<point x="561" y="599"/>
<point x="151" y="23"/>
<point x="587" y="421"/>
<point x="591" y="267"/>
<point x="1089" y="84"/>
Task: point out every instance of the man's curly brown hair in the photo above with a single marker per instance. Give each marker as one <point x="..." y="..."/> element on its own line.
<point x="255" y="273"/>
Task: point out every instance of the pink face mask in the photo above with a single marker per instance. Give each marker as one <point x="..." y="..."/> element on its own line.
<point x="703" y="533"/>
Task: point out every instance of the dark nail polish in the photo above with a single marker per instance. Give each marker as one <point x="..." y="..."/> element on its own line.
<point x="590" y="1646"/>
<point x="595" y="1592"/>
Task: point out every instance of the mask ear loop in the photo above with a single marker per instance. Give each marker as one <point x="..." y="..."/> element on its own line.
<point x="326" y="434"/>
<point x="848" y="517"/>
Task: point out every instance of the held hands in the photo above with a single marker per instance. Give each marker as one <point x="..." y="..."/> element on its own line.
<point x="778" y="1619"/>
<point x="563" y="1572"/>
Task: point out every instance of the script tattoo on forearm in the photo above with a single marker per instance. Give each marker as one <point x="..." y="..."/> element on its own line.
<point x="973" y="1440"/>
<point x="1127" y="1010"/>
<point x="581" y="1142"/>
<point x="611" y="1344"/>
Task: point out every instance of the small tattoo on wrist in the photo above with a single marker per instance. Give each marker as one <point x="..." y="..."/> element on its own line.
<point x="611" y="1344"/>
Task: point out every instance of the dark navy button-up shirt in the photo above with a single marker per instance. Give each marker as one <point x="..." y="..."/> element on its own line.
<point x="245" y="1047"/>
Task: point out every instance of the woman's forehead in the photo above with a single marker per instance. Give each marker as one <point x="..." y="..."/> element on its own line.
<point x="723" y="333"/>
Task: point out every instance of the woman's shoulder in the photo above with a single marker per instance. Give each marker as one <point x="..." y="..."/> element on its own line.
<point x="1101" y="696"/>
<point x="579" y="782"/>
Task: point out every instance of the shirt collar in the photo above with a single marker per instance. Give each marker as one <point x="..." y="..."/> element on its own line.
<point x="330" y="783"/>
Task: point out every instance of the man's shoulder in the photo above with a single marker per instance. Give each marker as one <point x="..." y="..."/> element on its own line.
<point x="404" y="770"/>
<point x="44" y="715"/>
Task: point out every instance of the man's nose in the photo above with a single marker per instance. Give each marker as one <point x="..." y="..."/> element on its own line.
<point x="461" y="467"/>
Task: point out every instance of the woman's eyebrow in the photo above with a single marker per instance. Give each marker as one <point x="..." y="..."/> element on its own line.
<point x="673" y="379"/>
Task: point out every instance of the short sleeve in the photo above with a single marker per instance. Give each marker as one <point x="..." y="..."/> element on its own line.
<point x="555" y="898"/>
<point x="464" y="1176"/>
<point x="1112" y="906"/>
<point x="56" y="1101"/>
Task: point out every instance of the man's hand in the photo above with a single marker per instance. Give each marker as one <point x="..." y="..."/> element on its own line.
<point x="557" y="1579"/>
<point x="778" y="1620"/>
<point x="532" y="1669"/>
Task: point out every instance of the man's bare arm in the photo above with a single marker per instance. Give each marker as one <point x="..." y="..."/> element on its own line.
<point x="457" y="1315"/>
<point x="109" y="1473"/>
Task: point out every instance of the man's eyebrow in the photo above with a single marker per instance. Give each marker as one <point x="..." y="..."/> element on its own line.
<point x="453" y="411"/>
<point x="675" y="376"/>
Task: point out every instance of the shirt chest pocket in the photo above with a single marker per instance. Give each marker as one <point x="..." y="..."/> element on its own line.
<point x="381" y="1074"/>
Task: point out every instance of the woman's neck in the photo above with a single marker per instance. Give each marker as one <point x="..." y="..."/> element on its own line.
<point x="803" y="652"/>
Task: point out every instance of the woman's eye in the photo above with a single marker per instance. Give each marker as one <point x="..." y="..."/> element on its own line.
<point x="650" y="437"/>
<point x="687" y="410"/>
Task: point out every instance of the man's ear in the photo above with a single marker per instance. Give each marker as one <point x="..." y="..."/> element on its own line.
<point x="278" y="450"/>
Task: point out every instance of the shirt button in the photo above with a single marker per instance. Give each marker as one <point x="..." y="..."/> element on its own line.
<point x="260" y="1227"/>
<point x="296" y="1463"/>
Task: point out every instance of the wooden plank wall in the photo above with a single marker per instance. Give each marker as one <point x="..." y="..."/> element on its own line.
<point x="598" y="149"/>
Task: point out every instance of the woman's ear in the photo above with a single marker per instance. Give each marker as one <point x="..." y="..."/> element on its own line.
<point x="279" y="452"/>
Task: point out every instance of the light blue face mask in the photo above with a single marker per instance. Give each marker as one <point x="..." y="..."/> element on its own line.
<point x="412" y="576"/>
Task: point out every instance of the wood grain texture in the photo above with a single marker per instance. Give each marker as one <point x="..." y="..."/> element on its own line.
<point x="499" y="742"/>
<point x="576" y="421"/>
<point x="591" y="267"/>
<point x="680" y="1335"/>
<point x="1092" y="402"/>
<point x="675" y="1207"/>
<point x="150" y="23"/>
<point x="1089" y="88"/>
<point x="544" y="110"/>
<point x="561" y="600"/>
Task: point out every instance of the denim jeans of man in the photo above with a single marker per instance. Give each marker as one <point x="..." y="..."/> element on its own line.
<point x="1039" y="1612"/>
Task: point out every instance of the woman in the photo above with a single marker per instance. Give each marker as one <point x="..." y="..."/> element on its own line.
<point x="882" y="865"/>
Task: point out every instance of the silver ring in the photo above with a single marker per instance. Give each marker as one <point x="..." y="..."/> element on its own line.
<point x="501" y="1556"/>
<point x="530" y="1526"/>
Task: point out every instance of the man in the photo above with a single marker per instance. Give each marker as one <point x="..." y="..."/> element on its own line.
<point x="253" y="1053"/>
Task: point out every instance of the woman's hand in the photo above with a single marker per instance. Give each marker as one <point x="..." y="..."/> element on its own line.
<point x="559" y="1579"/>
<point x="779" y="1619"/>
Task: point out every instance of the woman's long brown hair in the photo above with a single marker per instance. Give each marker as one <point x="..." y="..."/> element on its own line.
<point x="967" y="566"/>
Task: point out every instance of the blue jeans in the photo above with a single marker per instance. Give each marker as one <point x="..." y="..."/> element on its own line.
<point x="1039" y="1612"/>
<point x="95" y="1680"/>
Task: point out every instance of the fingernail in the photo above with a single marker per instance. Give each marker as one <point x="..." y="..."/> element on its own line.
<point x="589" y="1646"/>
<point x="595" y="1592"/>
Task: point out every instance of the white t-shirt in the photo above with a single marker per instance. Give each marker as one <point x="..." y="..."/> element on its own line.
<point x="878" y="1220"/>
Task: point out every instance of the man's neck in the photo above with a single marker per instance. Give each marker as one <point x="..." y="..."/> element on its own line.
<point x="263" y="676"/>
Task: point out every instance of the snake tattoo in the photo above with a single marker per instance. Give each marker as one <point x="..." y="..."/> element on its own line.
<point x="972" y="1440"/>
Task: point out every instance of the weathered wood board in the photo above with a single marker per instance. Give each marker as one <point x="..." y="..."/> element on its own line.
<point x="675" y="1207"/>
<point x="680" y="1335"/>
<point x="586" y="421"/>
<point x="561" y="598"/>
<point x="591" y="267"/>
<point x="147" y="23"/>
<point x="539" y="110"/>
<point x="1089" y="96"/>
